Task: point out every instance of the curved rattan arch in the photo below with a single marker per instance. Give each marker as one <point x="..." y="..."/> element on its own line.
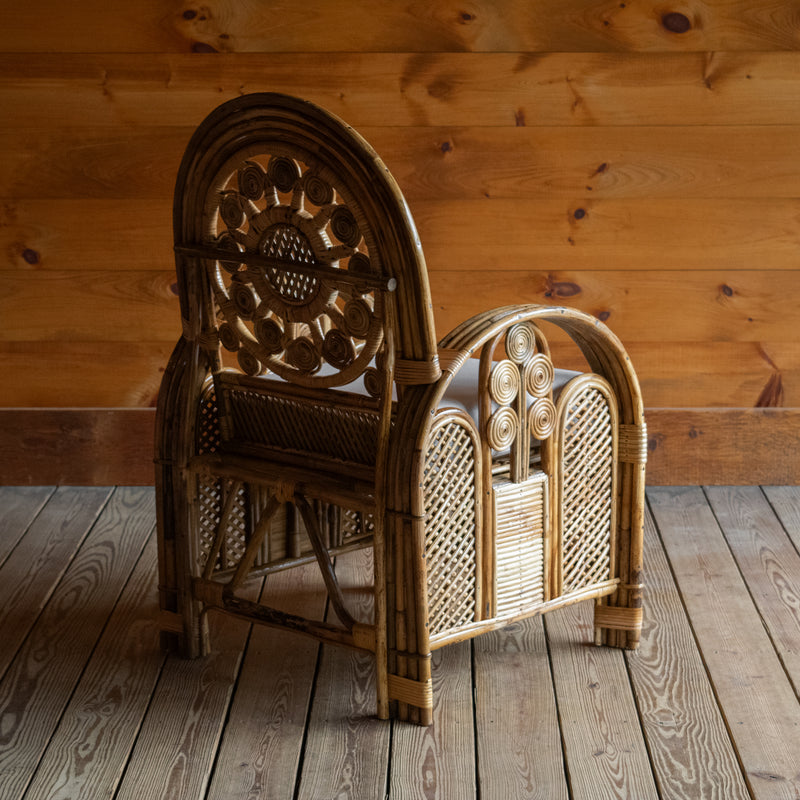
<point x="284" y="124"/>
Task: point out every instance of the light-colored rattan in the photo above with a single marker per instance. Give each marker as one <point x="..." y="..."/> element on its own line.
<point x="308" y="410"/>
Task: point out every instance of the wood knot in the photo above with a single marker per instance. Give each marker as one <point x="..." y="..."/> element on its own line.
<point x="675" y="22"/>
<point x="30" y="256"/>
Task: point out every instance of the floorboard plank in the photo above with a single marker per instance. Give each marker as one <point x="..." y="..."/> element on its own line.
<point x="769" y="563"/>
<point x="91" y="746"/>
<point x="519" y="742"/>
<point x="41" y="679"/>
<point x="347" y="749"/>
<point x="263" y="737"/>
<point x="178" y="742"/>
<point x="786" y="502"/>
<point x="33" y="569"/>
<point x="19" y="506"/>
<point x="748" y="677"/>
<point x="689" y="746"/>
<point x="438" y="762"/>
<point x="603" y="745"/>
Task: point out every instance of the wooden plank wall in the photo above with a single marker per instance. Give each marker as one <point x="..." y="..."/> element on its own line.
<point x="637" y="159"/>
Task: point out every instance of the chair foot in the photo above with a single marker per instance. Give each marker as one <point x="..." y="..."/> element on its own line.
<point x="617" y="626"/>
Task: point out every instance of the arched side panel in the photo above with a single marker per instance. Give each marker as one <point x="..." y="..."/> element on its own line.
<point x="584" y="500"/>
<point x="453" y="523"/>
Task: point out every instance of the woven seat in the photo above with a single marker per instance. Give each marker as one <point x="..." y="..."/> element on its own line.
<point x="308" y="410"/>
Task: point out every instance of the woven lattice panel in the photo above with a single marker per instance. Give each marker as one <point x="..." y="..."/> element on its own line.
<point x="587" y="494"/>
<point x="355" y="525"/>
<point x="275" y="421"/>
<point x="208" y="422"/>
<point x="520" y="513"/>
<point x="449" y="487"/>
<point x="211" y="497"/>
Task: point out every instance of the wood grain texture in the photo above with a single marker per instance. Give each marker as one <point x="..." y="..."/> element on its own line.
<point x="20" y="505"/>
<point x="77" y="446"/>
<point x="724" y="374"/>
<point x="519" y="741"/>
<point x="488" y="89"/>
<point x="227" y="26"/>
<point x="347" y="748"/>
<point x="101" y="446"/>
<point x="595" y="705"/>
<point x="179" y="738"/>
<point x="769" y="563"/>
<point x="40" y="681"/>
<point x="786" y="503"/>
<point x="438" y="762"/>
<point x="641" y="234"/>
<point x="88" y="752"/>
<point x="697" y="306"/>
<point x="79" y="374"/>
<point x="735" y="306"/>
<point x="261" y="745"/>
<point x="34" y="568"/>
<point x="688" y="743"/>
<point x="737" y="446"/>
<point x="747" y="674"/>
<point x="87" y="306"/>
<point x="436" y="162"/>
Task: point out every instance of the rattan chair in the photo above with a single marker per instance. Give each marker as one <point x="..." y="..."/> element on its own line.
<point x="308" y="409"/>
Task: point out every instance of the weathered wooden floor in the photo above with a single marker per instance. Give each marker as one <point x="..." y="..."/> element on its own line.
<point x="707" y="708"/>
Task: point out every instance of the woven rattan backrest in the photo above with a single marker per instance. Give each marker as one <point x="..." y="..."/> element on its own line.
<point x="296" y="252"/>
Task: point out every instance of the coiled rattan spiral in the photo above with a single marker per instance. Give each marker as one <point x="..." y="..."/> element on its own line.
<point x="520" y="342"/>
<point x="502" y="428"/>
<point x="504" y="383"/>
<point x="539" y="374"/>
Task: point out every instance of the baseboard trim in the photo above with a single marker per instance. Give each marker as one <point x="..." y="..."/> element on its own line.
<point x="111" y="446"/>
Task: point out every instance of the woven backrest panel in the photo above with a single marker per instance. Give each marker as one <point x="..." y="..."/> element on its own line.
<point x="300" y="425"/>
<point x="450" y="527"/>
<point x="587" y="490"/>
<point x="520" y="512"/>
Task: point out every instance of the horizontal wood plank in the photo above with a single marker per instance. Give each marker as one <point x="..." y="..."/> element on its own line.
<point x="504" y="89"/>
<point x="730" y="446"/>
<point x="83" y="374"/>
<point x="90" y="447"/>
<point x="454" y="163"/>
<point x="686" y="446"/>
<point x="228" y="26"/>
<point x="495" y="234"/>
<point x="671" y="374"/>
<point x="639" y="306"/>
